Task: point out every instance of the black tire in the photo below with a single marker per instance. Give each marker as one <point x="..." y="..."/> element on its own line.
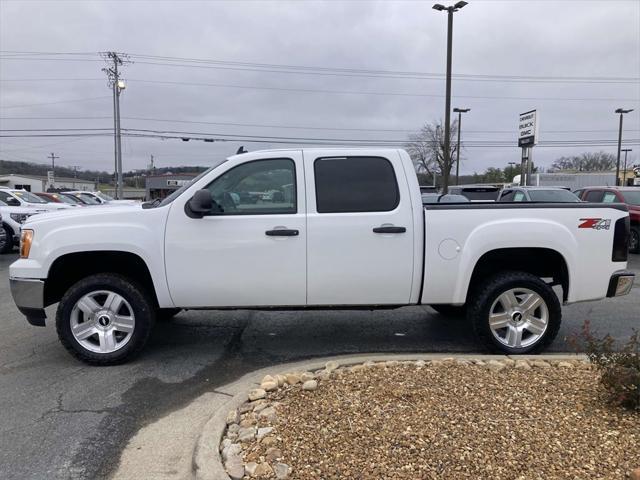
<point x="166" y="314"/>
<point x="634" y="240"/>
<point x="137" y="298"/>
<point x="6" y="239"/>
<point x="483" y="298"/>
<point x="450" y="310"/>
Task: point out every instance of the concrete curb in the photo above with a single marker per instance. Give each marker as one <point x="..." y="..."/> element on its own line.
<point x="207" y="462"/>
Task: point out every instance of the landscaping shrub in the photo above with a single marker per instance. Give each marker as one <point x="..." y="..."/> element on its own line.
<point x="619" y="365"/>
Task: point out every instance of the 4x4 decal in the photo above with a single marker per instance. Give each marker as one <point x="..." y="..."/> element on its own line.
<point x="595" y="223"/>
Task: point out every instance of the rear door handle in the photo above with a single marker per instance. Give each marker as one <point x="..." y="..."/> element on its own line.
<point x="389" y="230"/>
<point x="282" y="232"/>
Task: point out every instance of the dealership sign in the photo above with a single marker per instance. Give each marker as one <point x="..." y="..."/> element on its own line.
<point x="528" y="129"/>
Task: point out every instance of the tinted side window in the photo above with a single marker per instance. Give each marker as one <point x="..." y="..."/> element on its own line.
<point x="593" y="196"/>
<point x="507" y="196"/>
<point x="260" y="187"/>
<point x="355" y="184"/>
<point x="519" y="197"/>
<point x="609" y="197"/>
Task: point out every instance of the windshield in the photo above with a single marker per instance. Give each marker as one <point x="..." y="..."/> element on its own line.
<point x="480" y="193"/>
<point x="178" y="192"/>
<point x="632" y="198"/>
<point x="104" y="196"/>
<point x="552" y="196"/>
<point x="29" y="197"/>
<point x="65" y="199"/>
<point x="88" y="198"/>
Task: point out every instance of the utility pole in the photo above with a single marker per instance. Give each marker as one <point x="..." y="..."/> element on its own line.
<point x="447" y="109"/>
<point x="75" y="175"/>
<point x="117" y="86"/>
<point x="621" y="111"/>
<point x="51" y="178"/>
<point x="459" y="111"/>
<point x="624" y="175"/>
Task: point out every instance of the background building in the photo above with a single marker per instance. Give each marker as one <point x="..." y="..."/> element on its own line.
<point x="160" y="186"/>
<point x="37" y="184"/>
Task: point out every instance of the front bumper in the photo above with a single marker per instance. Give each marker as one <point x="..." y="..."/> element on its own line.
<point x="620" y="284"/>
<point x="28" y="294"/>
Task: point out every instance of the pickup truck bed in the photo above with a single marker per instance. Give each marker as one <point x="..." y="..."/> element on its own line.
<point x="317" y="228"/>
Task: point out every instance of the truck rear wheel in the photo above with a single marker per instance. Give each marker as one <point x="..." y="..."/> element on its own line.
<point x="6" y="239"/>
<point x="634" y="240"/>
<point x="104" y="319"/>
<point x="515" y="313"/>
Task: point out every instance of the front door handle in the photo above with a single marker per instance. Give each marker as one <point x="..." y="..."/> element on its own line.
<point x="389" y="229"/>
<point x="282" y="232"/>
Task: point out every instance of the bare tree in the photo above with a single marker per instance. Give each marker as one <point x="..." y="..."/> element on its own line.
<point x="585" y="162"/>
<point x="426" y="149"/>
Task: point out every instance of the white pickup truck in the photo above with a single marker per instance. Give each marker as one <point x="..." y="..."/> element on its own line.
<point x="338" y="228"/>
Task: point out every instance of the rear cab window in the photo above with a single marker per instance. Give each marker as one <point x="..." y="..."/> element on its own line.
<point x="593" y="196"/>
<point x="355" y="184"/>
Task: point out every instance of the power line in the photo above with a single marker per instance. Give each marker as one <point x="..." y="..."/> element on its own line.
<point x="54" y="103"/>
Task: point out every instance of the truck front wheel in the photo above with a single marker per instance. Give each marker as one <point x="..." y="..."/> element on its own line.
<point x="634" y="240"/>
<point x="515" y="313"/>
<point x="104" y="319"/>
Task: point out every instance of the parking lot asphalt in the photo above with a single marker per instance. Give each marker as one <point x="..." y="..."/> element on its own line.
<point x="62" y="419"/>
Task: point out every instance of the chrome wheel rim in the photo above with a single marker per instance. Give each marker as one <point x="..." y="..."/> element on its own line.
<point x="518" y="318"/>
<point x="102" y="321"/>
<point x="633" y="241"/>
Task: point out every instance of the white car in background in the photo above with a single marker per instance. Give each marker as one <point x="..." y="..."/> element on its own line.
<point x="22" y="198"/>
<point x="101" y="198"/>
<point x="11" y="222"/>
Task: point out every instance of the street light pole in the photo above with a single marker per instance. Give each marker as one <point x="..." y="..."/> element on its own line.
<point x="459" y="111"/>
<point x="447" y="109"/>
<point x="624" y="174"/>
<point x="621" y="111"/>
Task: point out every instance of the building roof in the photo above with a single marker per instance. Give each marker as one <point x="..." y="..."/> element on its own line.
<point x="44" y="178"/>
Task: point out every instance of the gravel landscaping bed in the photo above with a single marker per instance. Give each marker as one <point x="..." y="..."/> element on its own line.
<point x="444" y="419"/>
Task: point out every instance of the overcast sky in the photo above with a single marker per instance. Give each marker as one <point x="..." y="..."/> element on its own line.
<point x="596" y="43"/>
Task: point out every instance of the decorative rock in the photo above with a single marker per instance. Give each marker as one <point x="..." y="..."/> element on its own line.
<point x="522" y="365"/>
<point x="268" y="378"/>
<point x="246" y="434"/>
<point x="420" y="363"/>
<point x="269" y="386"/>
<point x="225" y="443"/>
<point x="357" y="368"/>
<point x="233" y="428"/>
<point x="310" y="385"/>
<point x="263" y="432"/>
<point x="233" y="417"/>
<point x="281" y="470"/>
<point x="269" y="441"/>
<point x="306" y="376"/>
<point x="463" y="362"/>
<point x="257" y="394"/>
<point x="281" y="380"/>
<point x="331" y="365"/>
<point x="263" y="470"/>
<point x="233" y="450"/>
<point x="250" y="468"/>
<point x="565" y="365"/>
<point x="273" y="453"/>
<point x="245" y="407"/>
<point x="635" y="474"/>
<point x="436" y="363"/>
<point x="540" y="364"/>
<point x="391" y="363"/>
<point x="324" y="375"/>
<point x="268" y="414"/>
<point x="509" y="362"/>
<point x="496" y="365"/>
<point x="249" y="421"/>
<point x="292" y="378"/>
<point x="235" y="470"/>
<point x="260" y="407"/>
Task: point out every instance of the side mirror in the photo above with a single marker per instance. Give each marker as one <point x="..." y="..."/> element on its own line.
<point x="200" y="204"/>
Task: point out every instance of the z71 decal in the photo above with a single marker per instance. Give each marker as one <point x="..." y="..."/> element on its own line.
<point x="595" y="223"/>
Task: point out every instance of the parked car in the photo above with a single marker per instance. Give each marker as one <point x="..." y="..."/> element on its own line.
<point x="101" y="198"/>
<point x="476" y="193"/>
<point x="22" y="198"/>
<point x="627" y="195"/>
<point x="354" y="234"/>
<point x="537" y="194"/>
<point x="84" y="199"/>
<point x="59" y="198"/>
<point x="12" y="219"/>
<point x="440" y="198"/>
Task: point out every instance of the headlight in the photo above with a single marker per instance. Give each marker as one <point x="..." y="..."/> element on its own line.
<point x="26" y="237"/>
<point x="19" y="217"/>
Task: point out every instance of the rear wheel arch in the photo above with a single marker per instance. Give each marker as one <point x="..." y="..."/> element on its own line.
<point x="541" y="262"/>
<point x="68" y="269"/>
